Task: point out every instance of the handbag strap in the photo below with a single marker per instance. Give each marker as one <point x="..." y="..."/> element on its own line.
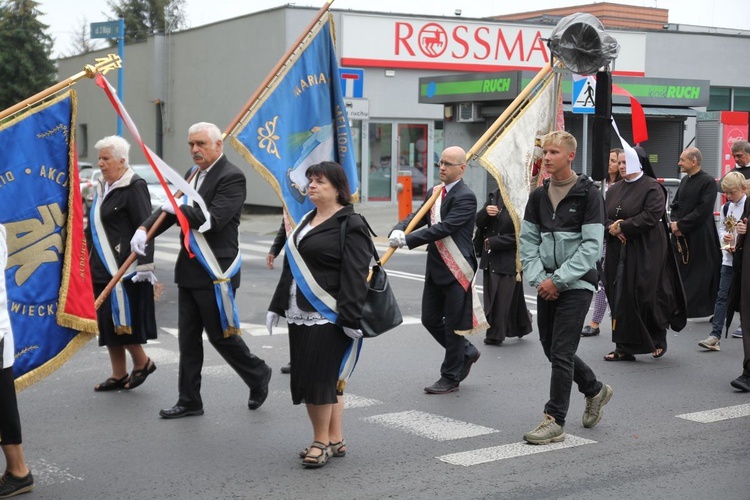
<point x="342" y="236"/>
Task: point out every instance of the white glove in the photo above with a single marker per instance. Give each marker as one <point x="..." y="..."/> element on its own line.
<point x="167" y="207"/>
<point x="272" y="319"/>
<point x="352" y="333"/>
<point x="145" y="276"/>
<point x="138" y="242"/>
<point x="397" y="239"/>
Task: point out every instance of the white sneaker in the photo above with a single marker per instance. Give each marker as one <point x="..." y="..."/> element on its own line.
<point x="737" y="333"/>
<point x="711" y="343"/>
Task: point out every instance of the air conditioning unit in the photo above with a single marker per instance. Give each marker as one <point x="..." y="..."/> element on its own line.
<point x="468" y="112"/>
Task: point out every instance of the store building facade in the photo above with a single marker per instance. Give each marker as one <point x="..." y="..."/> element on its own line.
<point x="413" y="85"/>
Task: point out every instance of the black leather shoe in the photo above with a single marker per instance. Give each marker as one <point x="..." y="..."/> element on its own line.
<point x="742" y="383"/>
<point x="468" y="361"/>
<point x="442" y="386"/>
<point x="589" y="331"/>
<point x="286" y="368"/>
<point x="258" y="395"/>
<point x="178" y="411"/>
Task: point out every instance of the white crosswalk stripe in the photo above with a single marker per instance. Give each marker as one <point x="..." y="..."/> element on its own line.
<point x="513" y="450"/>
<point x="259" y="330"/>
<point x="47" y="473"/>
<point x="718" y="414"/>
<point x="168" y="246"/>
<point x="429" y="425"/>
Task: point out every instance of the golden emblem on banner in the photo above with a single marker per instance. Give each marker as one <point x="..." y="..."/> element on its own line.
<point x="267" y="137"/>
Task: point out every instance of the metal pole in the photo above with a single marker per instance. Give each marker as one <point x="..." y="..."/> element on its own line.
<point x="584" y="159"/>
<point x="121" y="73"/>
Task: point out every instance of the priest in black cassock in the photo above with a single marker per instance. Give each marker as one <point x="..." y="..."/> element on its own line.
<point x="641" y="277"/>
<point x="694" y="235"/>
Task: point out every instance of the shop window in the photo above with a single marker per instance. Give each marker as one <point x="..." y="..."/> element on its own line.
<point x="741" y="100"/>
<point x="720" y="99"/>
<point x="380" y="169"/>
<point x="412" y="141"/>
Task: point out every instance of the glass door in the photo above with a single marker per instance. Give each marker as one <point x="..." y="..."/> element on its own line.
<point x="379" y="177"/>
<point x="412" y="147"/>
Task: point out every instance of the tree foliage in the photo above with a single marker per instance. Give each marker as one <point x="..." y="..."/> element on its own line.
<point x="26" y="66"/>
<point x="146" y="17"/>
<point x="81" y="41"/>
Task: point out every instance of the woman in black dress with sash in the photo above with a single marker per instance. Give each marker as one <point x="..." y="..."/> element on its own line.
<point x="126" y="319"/>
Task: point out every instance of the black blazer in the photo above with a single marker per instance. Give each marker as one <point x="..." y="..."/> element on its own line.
<point x="500" y="257"/>
<point x="121" y="211"/>
<point x="224" y="191"/>
<point x="458" y="212"/>
<point x="344" y="276"/>
<point x="278" y="241"/>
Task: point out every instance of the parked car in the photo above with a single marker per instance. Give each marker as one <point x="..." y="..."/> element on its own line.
<point x="87" y="188"/>
<point x="85" y="171"/>
<point x="155" y="190"/>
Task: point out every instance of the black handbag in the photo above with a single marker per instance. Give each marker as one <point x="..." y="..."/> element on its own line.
<point x="381" y="312"/>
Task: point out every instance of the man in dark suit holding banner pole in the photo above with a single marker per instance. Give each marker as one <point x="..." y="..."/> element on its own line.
<point x="450" y="305"/>
<point x="207" y="282"/>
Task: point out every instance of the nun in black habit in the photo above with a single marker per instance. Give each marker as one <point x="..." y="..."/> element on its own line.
<point x="496" y="243"/>
<point x="642" y="281"/>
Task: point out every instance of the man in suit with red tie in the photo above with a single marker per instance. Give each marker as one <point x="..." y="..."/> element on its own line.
<point x="448" y="311"/>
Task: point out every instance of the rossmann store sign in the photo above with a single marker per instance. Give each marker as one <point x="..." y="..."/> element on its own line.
<point x="373" y="41"/>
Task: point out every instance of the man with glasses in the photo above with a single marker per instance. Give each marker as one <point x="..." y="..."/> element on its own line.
<point x="447" y="307"/>
<point x="741" y="154"/>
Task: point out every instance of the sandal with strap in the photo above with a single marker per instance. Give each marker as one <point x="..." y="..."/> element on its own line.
<point x="619" y="356"/>
<point x="112" y="384"/>
<point x="660" y="351"/>
<point x="338" y="449"/>
<point x="316" y="461"/>
<point x="139" y="376"/>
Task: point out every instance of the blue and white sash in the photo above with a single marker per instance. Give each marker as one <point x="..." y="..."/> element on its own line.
<point x="118" y="297"/>
<point x="322" y="301"/>
<point x="230" y="317"/>
<point x="222" y="280"/>
<point x="351" y="356"/>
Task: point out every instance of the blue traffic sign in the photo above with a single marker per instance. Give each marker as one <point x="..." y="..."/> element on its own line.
<point x="108" y="29"/>
<point x="352" y="82"/>
<point x="584" y="94"/>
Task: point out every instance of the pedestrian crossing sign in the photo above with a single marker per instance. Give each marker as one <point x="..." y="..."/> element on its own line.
<point x="584" y="94"/>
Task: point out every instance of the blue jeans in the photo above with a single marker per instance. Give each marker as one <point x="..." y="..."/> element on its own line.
<point x="720" y="308"/>
<point x="560" y="322"/>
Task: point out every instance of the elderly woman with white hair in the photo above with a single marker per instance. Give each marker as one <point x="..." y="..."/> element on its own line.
<point x="126" y="318"/>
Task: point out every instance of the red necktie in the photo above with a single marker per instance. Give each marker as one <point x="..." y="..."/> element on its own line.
<point x="445" y="191"/>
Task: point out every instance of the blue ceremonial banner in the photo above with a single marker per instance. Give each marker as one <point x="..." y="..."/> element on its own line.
<point x="50" y="298"/>
<point x="300" y="120"/>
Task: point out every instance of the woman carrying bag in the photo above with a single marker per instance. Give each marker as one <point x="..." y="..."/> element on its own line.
<point x="321" y="293"/>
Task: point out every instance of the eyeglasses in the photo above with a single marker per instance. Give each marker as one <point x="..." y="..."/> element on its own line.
<point x="443" y="163"/>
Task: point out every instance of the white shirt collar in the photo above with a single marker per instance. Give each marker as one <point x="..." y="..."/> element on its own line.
<point x="448" y="187"/>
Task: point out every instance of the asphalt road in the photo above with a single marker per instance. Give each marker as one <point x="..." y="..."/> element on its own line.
<point x="402" y="443"/>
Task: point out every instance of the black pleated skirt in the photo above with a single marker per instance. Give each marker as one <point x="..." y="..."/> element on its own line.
<point x="316" y="353"/>
<point x="142" y="316"/>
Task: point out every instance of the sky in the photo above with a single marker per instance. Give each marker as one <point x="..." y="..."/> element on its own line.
<point x="64" y="16"/>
